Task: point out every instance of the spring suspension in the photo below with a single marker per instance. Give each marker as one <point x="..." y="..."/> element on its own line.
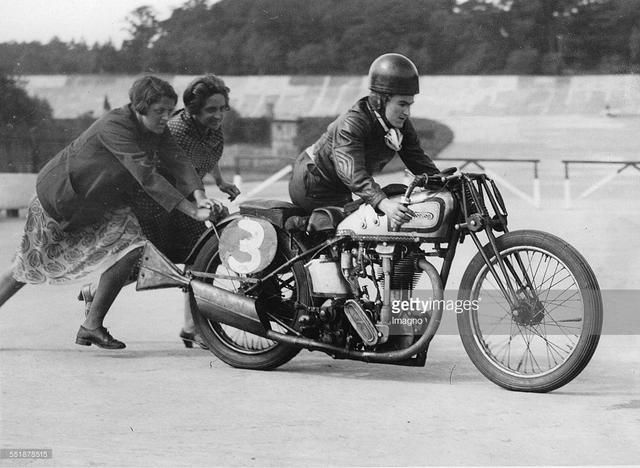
<point x="472" y="206"/>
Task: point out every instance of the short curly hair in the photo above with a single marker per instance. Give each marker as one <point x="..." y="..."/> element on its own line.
<point x="201" y="89"/>
<point x="148" y="90"/>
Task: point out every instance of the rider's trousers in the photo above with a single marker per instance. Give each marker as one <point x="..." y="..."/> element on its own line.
<point x="309" y="190"/>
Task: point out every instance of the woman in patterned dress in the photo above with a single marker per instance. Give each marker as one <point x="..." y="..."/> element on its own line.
<point x="197" y="129"/>
<point x="80" y="223"/>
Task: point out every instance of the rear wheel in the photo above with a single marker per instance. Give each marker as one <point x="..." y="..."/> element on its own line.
<point x="239" y="348"/>
<point x="546" y="335"/>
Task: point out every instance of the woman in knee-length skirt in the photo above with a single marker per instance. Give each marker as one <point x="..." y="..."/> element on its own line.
<point x="81" y="222"/>
<point x="50" y="255"/>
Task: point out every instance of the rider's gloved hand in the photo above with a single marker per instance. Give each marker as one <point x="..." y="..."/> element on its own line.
<point x="397" y="213"/>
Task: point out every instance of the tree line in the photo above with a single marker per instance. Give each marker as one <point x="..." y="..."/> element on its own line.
<point x="257" y="37"/>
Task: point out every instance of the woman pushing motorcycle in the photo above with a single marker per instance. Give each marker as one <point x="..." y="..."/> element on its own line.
<point x="360" y="142"/>
<point x="197" y="129"/>
<point x="81" y="221"/>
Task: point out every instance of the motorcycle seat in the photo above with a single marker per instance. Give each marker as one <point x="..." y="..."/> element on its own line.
<point x="275" y="211"/>
<point x="325" y="219"/>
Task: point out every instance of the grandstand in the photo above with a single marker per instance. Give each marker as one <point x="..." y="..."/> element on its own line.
<point x="320" y="96"/>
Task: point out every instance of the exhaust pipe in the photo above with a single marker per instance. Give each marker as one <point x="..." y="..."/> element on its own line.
<point x="226" y="307"/>
<point x="215" y="303"/>
<point x="220" y="305"/>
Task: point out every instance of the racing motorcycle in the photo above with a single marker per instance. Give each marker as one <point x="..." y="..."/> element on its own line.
<point x="269" y="280"/>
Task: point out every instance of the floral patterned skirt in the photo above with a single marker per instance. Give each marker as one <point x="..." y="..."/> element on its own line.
<point x="50" y="255"/>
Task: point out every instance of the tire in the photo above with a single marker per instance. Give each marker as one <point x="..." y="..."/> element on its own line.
<point x="552" y="334"/>
<point x="239" y="348"/>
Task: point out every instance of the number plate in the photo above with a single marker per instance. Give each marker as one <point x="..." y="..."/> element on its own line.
<point x="248" y="245"/>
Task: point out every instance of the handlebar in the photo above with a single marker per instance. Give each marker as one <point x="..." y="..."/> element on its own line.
<point x="439" y="180"/>
<point x="426" y="181"/>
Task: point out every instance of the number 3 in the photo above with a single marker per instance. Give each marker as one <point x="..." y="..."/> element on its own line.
<point x="248" y="245"/>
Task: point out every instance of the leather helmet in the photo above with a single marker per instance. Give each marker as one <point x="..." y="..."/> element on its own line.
<point x="394" y="74"/>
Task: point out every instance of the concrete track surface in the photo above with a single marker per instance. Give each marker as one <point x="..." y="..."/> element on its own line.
<point x="159" y="404"/>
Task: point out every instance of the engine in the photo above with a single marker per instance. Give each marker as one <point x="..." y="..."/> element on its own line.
<point x="354" y="285"/>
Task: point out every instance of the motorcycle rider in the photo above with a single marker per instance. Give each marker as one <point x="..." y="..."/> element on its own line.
<point x="360" y="142"/>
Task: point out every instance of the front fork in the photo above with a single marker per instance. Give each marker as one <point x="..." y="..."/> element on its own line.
<point x="481" y="220"/>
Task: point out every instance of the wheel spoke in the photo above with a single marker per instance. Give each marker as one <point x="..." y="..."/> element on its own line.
<point x="522" y="343"/>
<point x="282" y="287"/>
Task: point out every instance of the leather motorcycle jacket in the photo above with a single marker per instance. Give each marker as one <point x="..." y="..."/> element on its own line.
<point x="353" y="149"/>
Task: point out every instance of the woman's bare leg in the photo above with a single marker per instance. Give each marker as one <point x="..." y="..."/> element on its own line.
<point x="8" y="286"/>
<point x="109" y="286"/>
<point x="189" y="333"/>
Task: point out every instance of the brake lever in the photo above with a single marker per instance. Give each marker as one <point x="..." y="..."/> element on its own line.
<point x="442" y="177"/>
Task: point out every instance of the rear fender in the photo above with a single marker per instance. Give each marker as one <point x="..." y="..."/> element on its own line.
<point x="297" y="242"/>
<point x="204" y="238"/>
<point x="207" y="235"/>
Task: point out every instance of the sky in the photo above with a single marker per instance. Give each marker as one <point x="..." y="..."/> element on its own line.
<point x="88" y="20"/>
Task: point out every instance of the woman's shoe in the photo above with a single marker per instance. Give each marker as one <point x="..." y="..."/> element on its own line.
<point x="86" y="296"/>
<point x="189" y="339"/>
<point x="99" y="337"/>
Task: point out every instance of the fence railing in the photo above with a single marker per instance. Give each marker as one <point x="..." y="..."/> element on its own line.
<point x="533" y="199"/>
<point x="600" y="183"/>
<point x="16" y="189"/>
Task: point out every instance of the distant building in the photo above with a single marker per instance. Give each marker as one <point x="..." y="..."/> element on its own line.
<point x="283" y="137"/>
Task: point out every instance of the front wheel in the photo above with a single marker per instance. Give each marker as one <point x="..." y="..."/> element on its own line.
<point x="533" y="324"/>
<point x="283" y="291"/>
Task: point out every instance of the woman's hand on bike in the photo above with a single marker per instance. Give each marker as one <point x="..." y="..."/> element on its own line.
<point x="202" y="201"/>
<point x="216" y="209"/>
<point x="201" y="210"/>
<point x="230" y="189"/>
<point x="202" y="214"/>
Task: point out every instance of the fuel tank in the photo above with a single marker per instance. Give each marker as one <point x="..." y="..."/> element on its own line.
<point x="435" y="216"/>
